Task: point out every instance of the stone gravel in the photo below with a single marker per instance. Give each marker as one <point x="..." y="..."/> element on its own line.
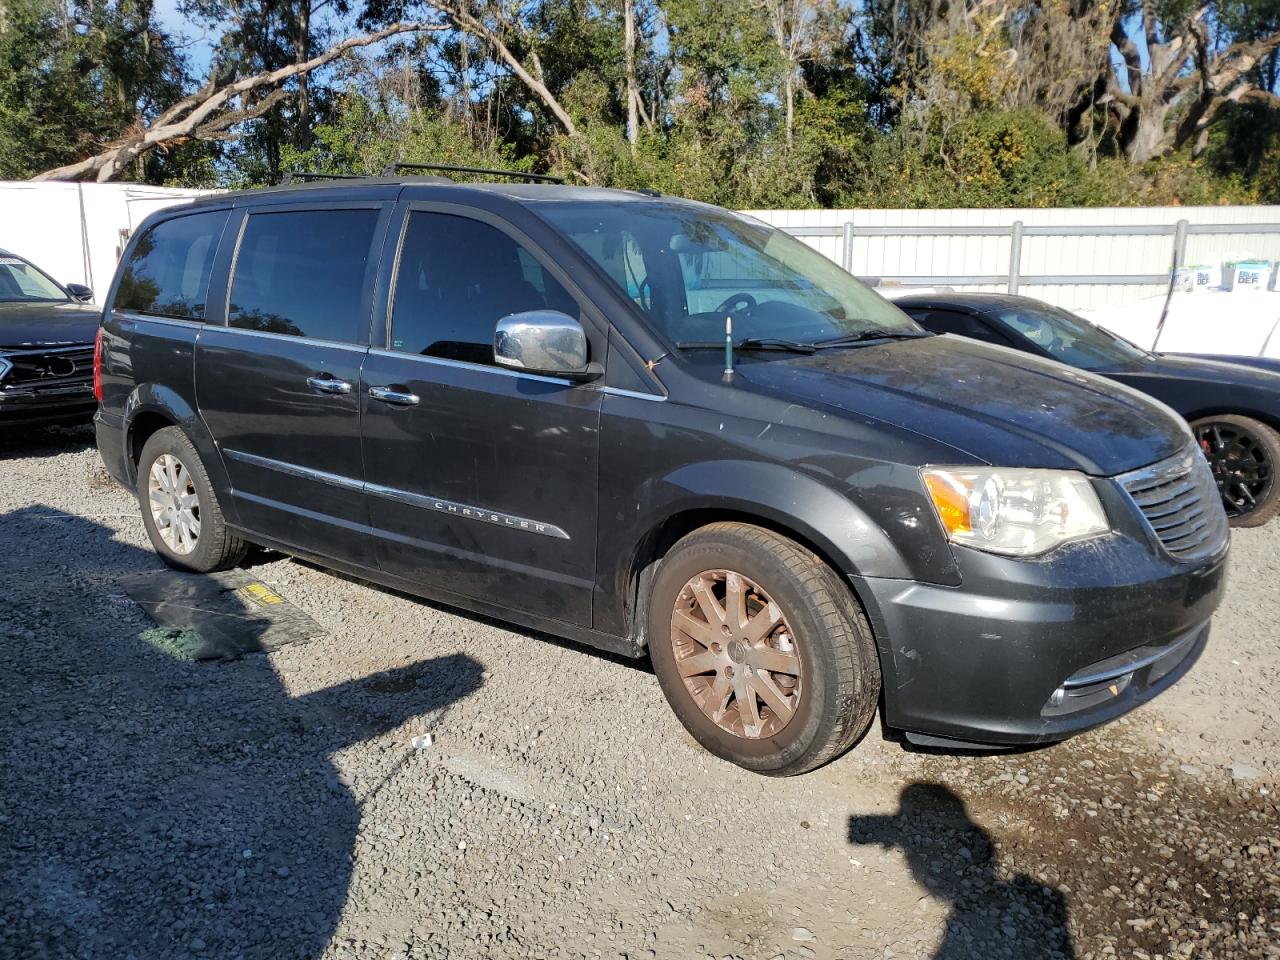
<point x="279" y="806"/>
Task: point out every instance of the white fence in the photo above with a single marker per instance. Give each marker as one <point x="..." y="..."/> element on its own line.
<point x="1078" y="258"/>
<point x="1081" y="258"/>
<point x="76" y="232"/>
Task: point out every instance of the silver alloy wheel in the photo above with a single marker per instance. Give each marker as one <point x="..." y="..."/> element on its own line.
<point x="175" y="508"/>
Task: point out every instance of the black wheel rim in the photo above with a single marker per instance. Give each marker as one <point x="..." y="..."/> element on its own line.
<point x="1243" y="471"/>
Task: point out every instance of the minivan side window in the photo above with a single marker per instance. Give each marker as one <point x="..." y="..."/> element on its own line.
<point x="167" y="274"/>
<point x="456" y="278"/>
<point x="301" y="273"/>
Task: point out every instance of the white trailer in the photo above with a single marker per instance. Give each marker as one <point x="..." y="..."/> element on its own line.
<point x="76" y="231"/>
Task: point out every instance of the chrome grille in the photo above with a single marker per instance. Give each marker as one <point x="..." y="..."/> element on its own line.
<point x="55" y="367"/>
<point x="1180" y="502"/>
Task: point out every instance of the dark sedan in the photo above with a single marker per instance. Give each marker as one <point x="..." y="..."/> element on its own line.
<point x="47" y="332"/>
<point x="1233" y="408"/>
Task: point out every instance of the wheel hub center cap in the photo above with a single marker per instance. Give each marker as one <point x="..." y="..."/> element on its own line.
<point x="737" y="651"/>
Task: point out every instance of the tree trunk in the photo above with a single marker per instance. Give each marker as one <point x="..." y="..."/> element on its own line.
<point x="789" y="89"/>
<point x="302" y="53"/>
<point x="1171" y="95"/>
<point x="463" y="20"/>
<point x="633" y="89"/>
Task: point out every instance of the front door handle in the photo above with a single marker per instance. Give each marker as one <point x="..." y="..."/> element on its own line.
<point x="328" y="385"/>
<point x="399" y="398"/>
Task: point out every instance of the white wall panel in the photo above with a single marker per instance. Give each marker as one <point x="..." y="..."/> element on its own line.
<point x="75" y="232"/>
<point x="1086" y="256"/>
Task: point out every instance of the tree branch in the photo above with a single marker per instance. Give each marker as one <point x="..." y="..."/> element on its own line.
<point x="204" y="109"/>
<point x="465" y="20"/>
<point x="1129" y="53"/>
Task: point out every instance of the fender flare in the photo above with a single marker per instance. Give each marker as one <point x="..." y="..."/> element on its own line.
<point x="791" y="500"/>
<point x="168" y="403"/>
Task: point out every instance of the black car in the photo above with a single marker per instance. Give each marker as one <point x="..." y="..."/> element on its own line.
<point x="46" y="347"/>
<point x="1233" y="407"/>
<point x="519" y="399"/>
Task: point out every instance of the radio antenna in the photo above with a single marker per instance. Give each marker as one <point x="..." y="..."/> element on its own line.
<point x="728" y="347"/>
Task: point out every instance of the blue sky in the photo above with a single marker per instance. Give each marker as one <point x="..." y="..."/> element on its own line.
<point x="200" y="48"/>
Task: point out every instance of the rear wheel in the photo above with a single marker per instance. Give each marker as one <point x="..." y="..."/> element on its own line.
<point x="179" y="509"/>
<point x="1243" y="455"/>
<point x="761" y="650"/>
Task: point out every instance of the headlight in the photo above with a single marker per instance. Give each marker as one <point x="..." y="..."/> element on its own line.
<point x="1016" y="512"/>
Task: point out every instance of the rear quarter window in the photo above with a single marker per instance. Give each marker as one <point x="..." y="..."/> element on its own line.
<point x="167" y="273"/>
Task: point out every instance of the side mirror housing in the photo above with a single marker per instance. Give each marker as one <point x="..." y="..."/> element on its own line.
<point x="544" y="341"/>
<point x="80" y="292"/>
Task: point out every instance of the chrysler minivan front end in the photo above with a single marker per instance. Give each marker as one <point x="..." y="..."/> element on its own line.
<point x="1080" y="598"/>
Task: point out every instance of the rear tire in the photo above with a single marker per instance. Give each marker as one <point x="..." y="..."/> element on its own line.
<point x="1244" y="455"/>
<point x="179" y="509"/>
<point x="786" y="684"/>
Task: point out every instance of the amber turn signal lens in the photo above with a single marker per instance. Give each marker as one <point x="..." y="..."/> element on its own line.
<point x="951" y="500"/>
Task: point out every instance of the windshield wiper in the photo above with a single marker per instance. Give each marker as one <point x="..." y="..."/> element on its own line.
<point x="867" y="336"/>
<point x="751" y="343"/>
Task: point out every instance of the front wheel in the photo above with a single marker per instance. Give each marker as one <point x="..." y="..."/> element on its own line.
<point x="762" y="651"/>
<point x="1243" y="455"/>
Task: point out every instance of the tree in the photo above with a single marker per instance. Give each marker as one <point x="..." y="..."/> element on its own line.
<point x="73" y="75"/>
<point x="492" y="23"/>
<point x="802" y="31"/>
<point x="1198" y="63"/>
<point x="212" y="111"/>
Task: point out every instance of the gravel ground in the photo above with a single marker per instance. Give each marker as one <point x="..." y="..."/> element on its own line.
<point x="274" y="807"/>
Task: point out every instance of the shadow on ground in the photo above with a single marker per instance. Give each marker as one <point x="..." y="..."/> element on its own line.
<point x="152" y="807"/>
<point x="17" y="443"/>
<point x="955" y="860"/>
<point x="641" y="664"/>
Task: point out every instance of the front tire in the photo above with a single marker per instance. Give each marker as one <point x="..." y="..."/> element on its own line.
<point x="762" y="651"/>
<point x="179" y="509"/>
<point x="1243" y="454"/>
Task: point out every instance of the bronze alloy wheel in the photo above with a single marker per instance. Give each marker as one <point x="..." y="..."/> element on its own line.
<point x="736" y="654"/>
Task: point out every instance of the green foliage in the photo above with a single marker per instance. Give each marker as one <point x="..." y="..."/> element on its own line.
<point x="364" y="139"/>
<point x="986" y="159"/>
<point x="904" y="103"/>
<point x="74" y="77"/>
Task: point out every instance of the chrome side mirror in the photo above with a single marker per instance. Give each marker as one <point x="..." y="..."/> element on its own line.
<point x="544" y="341"/>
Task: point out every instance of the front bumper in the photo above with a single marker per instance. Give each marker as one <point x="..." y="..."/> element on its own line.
<point x="22" y="407"/>
<point x="1032" y="652"/>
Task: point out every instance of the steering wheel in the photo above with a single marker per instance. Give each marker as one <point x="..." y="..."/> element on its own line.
<point x="731" y="304"/>
<point x="1057" y="346"/>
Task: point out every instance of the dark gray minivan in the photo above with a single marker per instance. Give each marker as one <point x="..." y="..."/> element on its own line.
<point x="518" y="399"/>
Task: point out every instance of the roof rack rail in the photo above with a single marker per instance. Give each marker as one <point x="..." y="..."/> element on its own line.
<point x="393" y="168"/>
<point x="306" y="176"/>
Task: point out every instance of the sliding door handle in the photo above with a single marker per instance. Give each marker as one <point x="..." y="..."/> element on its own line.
<point x="399" y="398"/>
<point x="328" y="385"/>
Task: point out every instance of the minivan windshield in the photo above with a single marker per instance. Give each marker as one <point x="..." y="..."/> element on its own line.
<point x="20" y="281"/>
<point x="687" y="267"/>
<point x="1069" y="338"/>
